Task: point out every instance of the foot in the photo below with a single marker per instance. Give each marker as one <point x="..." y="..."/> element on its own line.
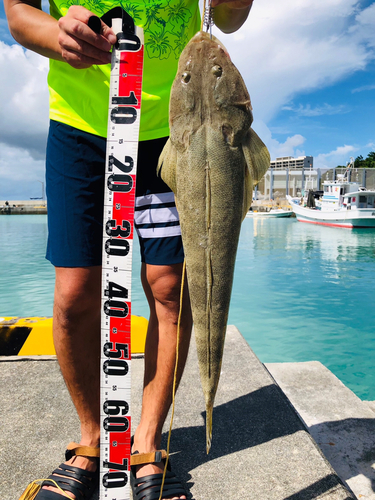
<point x="154" y="468"/>
<point x="84" y="463"/>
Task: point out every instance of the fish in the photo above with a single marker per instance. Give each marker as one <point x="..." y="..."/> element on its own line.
<point x="211" y="161"/>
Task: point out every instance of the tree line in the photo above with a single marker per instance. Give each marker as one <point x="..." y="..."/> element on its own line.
<point x="361" y="162"/>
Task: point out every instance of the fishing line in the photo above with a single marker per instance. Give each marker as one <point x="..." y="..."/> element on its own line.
<point x="175" y="375"/>
<point x="34" y="487"/>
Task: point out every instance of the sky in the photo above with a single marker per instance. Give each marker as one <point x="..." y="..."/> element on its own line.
<point x="309" y="67"/>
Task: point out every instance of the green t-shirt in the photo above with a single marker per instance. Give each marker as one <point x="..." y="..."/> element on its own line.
<point x="79" y="97"/>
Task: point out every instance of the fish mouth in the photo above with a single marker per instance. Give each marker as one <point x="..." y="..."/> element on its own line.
<point x="203" y="36"/>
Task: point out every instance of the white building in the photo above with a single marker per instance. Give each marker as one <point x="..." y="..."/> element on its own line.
<point x="288" y="175"/>
<point x="277" y="183"/>
<point x="290" y="162"/>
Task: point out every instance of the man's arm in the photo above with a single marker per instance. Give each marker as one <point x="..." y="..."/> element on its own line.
<point x="230" y="15"/>
<point x="69" y="39"/>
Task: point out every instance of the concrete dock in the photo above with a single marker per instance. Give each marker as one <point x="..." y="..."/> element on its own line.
<point x="288" y="431"/>
<point x="23" y="207"/>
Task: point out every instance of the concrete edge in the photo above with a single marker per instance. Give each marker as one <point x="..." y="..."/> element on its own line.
<point x="42" y="357"/>
<point x="234" y="329"/>
<point x="370" y="404"/>
<point x="344" y="483"/>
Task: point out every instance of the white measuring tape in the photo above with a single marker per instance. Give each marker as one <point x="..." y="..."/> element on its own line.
<point x="118" y="232"/>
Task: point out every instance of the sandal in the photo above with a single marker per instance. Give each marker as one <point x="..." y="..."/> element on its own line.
<point x="80" y="482"/>
<point x="148" y="487"/>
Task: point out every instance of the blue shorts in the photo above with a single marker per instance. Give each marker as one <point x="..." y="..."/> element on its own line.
<point x="75" y="193"/>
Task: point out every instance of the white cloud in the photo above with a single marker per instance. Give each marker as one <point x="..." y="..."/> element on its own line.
<point x="23" y="98"/>
<point x="284" y="49"/>
<point x="21" y="174"/>
<point x="363" y="88"/>
<point x="324" y="109"/>
<point x="339" y="156"/>
<point x="291" y="147"/>
<point x="295" y="46"/>
<point x="364" y="26"/>
<point x="276" y="148"/>
<point x="23" y="121"/>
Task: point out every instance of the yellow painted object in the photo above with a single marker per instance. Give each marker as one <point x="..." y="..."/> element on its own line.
<point x="33" y="336"/>
<point x="139" y="327"/>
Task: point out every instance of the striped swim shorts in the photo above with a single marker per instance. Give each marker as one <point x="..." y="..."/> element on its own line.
<point x="75" y="193"/>
<point x="156" y="218"/>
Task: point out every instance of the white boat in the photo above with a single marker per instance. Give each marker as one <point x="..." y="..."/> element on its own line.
<point x="344" y="204"/>
<point x="273" y="212"/>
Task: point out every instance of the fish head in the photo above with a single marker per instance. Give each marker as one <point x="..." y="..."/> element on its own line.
<point x="208" y="89"/>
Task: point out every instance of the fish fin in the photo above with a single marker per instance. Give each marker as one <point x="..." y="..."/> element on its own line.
<point x="166" y="168"/>
<point x="258" y="161"/>
<point x="256" y="155"/>
<point x="209" y="410"/>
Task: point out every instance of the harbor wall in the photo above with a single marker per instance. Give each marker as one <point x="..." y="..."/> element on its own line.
<point x="277" y="183"/>
<point x="271" y="191"/>
<point x="18" y="207"/>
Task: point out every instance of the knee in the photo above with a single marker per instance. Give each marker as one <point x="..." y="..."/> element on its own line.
<point x="76" y="300"/>
<point x="165" y="284"/>
<point x="166" y="292"/>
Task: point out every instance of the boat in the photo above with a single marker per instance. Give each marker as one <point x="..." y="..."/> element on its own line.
<point x="273" y="212"/>
<point x="343" y="204"/>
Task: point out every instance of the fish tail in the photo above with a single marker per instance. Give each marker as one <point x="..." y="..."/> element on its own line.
<point x="209" y="409"/>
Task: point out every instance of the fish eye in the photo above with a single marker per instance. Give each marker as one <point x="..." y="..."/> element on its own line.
<point x="217" y="70"/>
<point x="186" y="76"/>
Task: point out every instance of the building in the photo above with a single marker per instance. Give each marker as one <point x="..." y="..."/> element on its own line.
<point x="279" y="182"/>
<point x="290" y="162"/>
<point x="288" y="175"/>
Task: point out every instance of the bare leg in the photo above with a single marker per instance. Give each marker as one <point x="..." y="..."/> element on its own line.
<point x="162" y="287"/>
<point x="77" y="343"/>
<point x="76" y="333"/>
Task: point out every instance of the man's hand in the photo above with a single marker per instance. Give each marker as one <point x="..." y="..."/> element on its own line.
<point x="233" y="4"/>
<point x="80" y="46"/>
<point x="229" y="15"/>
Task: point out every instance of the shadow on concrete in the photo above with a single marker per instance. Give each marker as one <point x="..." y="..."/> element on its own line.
<point x="245" y="422"/>
<point x="318" y="488"/>
<point x="242" y="423"/>
<point x="349" y="445"/>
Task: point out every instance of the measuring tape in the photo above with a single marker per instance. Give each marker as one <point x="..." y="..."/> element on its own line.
<point x="118" y="231"/>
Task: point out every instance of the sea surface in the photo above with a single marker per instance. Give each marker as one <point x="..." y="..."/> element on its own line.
<point x="301" y="292"/>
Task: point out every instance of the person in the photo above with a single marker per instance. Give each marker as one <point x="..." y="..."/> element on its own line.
<point x="78" y="84"/>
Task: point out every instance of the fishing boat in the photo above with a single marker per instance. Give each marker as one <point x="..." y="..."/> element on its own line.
<point x="343" y="204"/>
<point x="273" y="212"/>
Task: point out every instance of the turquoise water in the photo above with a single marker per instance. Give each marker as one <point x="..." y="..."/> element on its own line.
<point x="301" y="292"/>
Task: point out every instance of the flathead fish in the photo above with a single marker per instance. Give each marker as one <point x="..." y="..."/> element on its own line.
<point x="211" y="161"/>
